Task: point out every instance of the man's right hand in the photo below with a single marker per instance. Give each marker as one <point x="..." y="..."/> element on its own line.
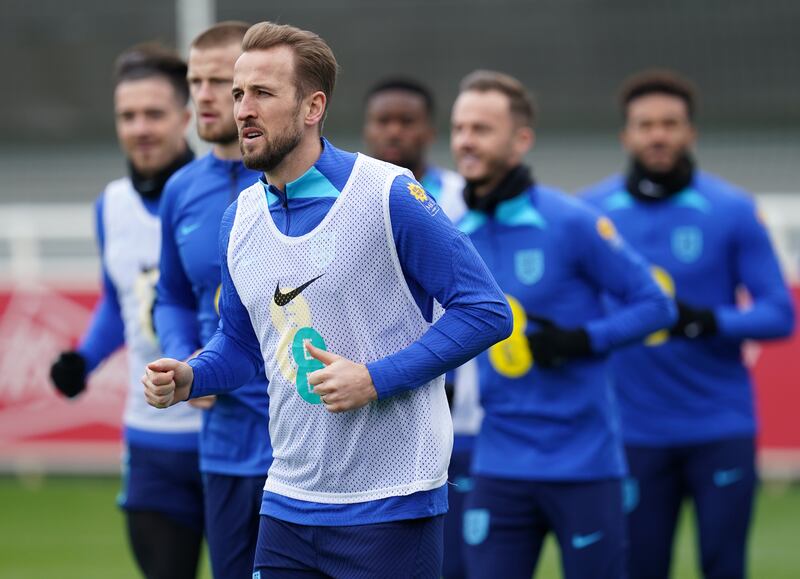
<point x="68" y="374"/>
<point x="167" y="382"/>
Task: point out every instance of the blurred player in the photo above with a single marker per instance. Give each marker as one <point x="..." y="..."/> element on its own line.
<point x="162" y="492"/>
<point x="399" y="128"/>
<point x="234" y="442"/>
<point x="336" y="257"/>
<point x="549" y="454"/>
<point x="685" y="395"/>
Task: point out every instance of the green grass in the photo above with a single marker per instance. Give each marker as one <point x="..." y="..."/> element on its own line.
<point x="774" y="540"/>
<point x="70" y="528"/>
<point x="67" y="527"/>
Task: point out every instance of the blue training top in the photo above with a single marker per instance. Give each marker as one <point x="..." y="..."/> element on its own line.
<point x="438" y="263"/>
<point x="555" y="258"/>
<point x="706" y="242"/>
<point x="234" y="439"/>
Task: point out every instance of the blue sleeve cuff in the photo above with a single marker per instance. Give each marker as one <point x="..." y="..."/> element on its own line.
<point x="204" y="380"/>
<point x="598" y="336"/>
<point x="763" y="322"/>
<point x="384" y="373"/>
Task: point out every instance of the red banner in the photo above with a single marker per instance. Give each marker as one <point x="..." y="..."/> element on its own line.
<point x="40" y="429"/>
<point x="777" y="376"/>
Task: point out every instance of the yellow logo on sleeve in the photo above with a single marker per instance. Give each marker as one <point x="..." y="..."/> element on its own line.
<point x="606" y="229"/>
<point x="428" y="202"/>
<point x="216" y="298"/>
<point x="667" y="284"/>
<point x="417" y="192"/>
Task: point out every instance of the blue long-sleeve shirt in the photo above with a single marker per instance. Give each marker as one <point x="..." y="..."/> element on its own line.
<point x="234" y="439"/>
<point x="707" y="242"/>
<point x="555" y="258"/>
<point x="438" y="263"/>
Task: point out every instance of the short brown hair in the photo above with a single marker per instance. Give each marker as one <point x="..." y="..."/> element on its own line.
<point x="657" y="81"/>
<point x="315" y="64"/>
<point x="150" y="60"/>
<point x="520" y="100"/>
<point x="221" y="34"/>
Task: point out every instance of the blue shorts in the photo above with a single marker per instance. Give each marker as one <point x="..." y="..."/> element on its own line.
<point x="506" y="521"/>
<point x="719" y="477"/>
<point x="163" y="481"/>
<point x="460" y="483"/>
<point x="232" y="505"/>
<point x="399" y="549"/>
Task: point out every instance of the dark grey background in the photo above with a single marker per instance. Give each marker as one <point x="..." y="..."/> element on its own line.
<point x="57" y="140"/>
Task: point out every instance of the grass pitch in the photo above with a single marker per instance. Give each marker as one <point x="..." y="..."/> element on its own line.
<point x="70" y="528"/>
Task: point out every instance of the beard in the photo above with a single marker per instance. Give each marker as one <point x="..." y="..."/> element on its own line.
<point x="496" y="168"/>
<point x="219" y="135"/>
<point x="275" y="151"/>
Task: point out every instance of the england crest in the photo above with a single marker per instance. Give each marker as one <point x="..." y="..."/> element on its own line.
<point x="687" y="243"/>
<point x="324" y="249"/>
<point x="529" y="265"/>
<point x="476" y="526"/>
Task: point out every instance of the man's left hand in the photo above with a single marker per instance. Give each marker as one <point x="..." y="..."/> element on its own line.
<point x="342" y="384"/>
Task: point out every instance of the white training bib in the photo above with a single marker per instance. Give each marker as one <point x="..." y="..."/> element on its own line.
<point x="451" y="197"/>
<point x="342" y="285"/>
<point x="131" y="254"/>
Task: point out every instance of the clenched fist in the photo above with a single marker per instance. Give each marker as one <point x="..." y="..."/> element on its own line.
<point x="167" y="382"/>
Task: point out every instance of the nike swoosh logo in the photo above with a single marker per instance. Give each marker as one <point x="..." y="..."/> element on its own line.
<point x="725" y="478"/>
<point x="284" y="298"/>
<point x="583" y="541"/>
<point x="187" y="229"/>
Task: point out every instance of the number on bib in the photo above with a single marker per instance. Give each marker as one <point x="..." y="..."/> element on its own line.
<point x="512" y="357"/>
<point x="305" y="363"/>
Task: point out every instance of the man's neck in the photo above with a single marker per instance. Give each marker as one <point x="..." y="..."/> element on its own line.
<point x="296" y="163"/>
<point x="227" y="151"/>
<point x="484" y="188"/>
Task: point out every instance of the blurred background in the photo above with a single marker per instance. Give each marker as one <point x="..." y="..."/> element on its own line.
<point x="58" y="150"/>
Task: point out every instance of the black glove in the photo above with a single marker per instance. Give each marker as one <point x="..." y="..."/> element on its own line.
<point x="694" y="323"/>
<point x="68" y="373"/>
<point x="551" y="346"/>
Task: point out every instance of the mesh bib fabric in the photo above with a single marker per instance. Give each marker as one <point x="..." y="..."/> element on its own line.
<point x="360" y="305"/>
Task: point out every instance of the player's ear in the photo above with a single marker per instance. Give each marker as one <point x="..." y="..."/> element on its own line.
<point x="315" y="108"/>
<point x="187" y="118"/>
<point x="430" y="133"/>
<point x="524" y="138"/>
<point x="623" y="138"/>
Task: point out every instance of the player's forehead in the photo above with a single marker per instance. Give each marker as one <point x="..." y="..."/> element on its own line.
<point x="213" y="61"/>
<point x="474" y="106"/>
<point x="397" y="102"/>
<point x="657" y="105"/>
<point x="154" y="92"/>
<point x="272" y="66"/>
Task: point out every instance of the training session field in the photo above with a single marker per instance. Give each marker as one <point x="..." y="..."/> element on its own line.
<point x="70" y="528"/>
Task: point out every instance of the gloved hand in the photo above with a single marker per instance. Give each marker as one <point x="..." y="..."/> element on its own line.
<point x="694" y="322"/>
<point x="68" y="373"/>
<point x="551" y="346"/>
